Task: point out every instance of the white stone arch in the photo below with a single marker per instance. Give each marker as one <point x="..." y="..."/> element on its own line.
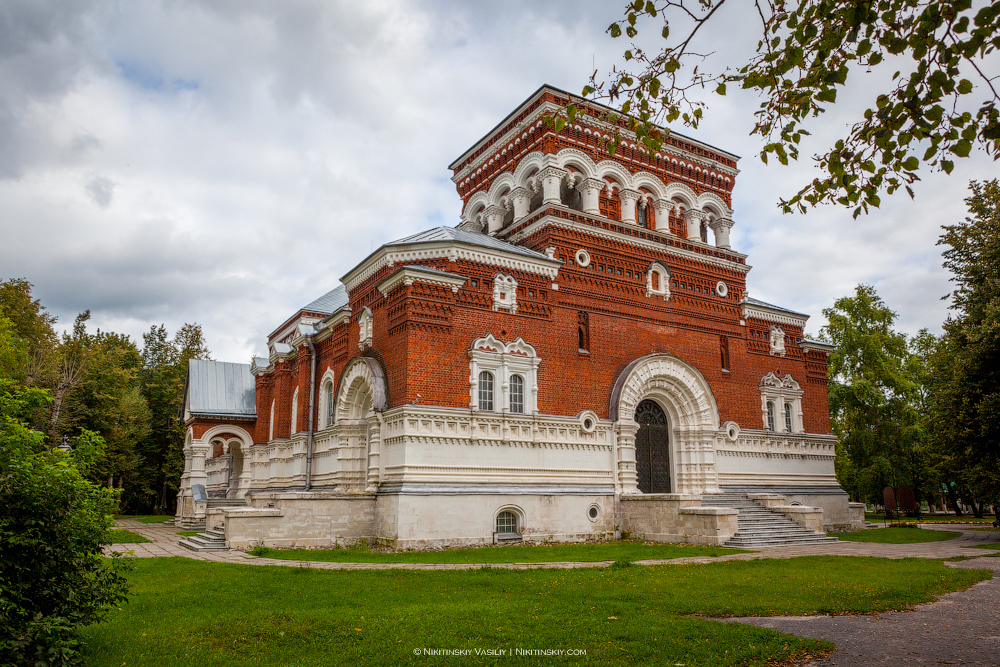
<point x="690" y="405"/>
<point x="475" y="208"/>
<point x="530" y="162"/>
<point x="246" y="440"/>
<point x="607" y="168"/>
<point x="362" y="383"/>
<point x="361" y="397"/>
<point x="644" y="179"/>
<point x="682" y="192"/>
<point x="500" y="183"/>
<point x="239" y="441"/>
<point x="327" y="398"/>
<point x="714" y="204"/>
<point x="571" y="157"/>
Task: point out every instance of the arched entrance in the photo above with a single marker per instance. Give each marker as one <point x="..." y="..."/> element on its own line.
<point x="683" y="403"/>
<point x="652" y="448"/>
<point x="361" y="394"/>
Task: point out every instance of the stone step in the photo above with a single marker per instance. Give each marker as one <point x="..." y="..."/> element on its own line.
<point x="758" y="526"/>
<point x="212" y="540"/>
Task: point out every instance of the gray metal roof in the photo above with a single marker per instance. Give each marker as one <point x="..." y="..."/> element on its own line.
<point x="330" y="302"/>
<point x="472" y="238"/>
<point x="757" y="302"/>
<point x="220" y="388"/>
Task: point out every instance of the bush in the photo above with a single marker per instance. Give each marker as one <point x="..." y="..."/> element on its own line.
<point x="53" y="522"/>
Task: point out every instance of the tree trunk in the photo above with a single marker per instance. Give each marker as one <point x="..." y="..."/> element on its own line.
<point x="953" y="498"/>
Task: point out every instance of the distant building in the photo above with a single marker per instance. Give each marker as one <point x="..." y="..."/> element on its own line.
<point x="577" y="358"/>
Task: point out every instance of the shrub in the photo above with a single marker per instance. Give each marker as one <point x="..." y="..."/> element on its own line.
<point x="53" y="523"/>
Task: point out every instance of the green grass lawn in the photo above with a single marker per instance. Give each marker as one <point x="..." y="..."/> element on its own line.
<point x="185" y="612"/>
<point x="187" y="533"/>
<point x="122" y="536"/>
<point x="929" y="518"/>
<point x="597" y="551"/>
<point x="146" y="518"/>
<point x="897" y="535"/>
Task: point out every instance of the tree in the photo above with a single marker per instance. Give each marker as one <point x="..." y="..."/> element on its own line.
<point x="806" y="54"/>
<point x="53" y="523"/>
<point x="966" y="390"/>
<point x="872" y="397"/>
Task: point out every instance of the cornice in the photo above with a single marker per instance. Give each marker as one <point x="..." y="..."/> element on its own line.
<point x="773" y="315"/>
<point x="409" y="274"/>
<point x="816" y="346"/>
<point x="546" y="108"/>
<point x="452" y="251"/>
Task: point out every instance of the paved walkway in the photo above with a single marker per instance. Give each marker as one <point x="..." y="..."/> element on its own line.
<point x="164" y="543"/>
<point x="957" y="629"/>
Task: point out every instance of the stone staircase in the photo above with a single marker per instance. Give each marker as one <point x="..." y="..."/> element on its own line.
<point x="210" y="540"/>
<point x="760" y="527"/>
<point x="215" y="503"/>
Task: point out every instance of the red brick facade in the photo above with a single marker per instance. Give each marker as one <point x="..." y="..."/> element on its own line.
<point x="422" y="331"/>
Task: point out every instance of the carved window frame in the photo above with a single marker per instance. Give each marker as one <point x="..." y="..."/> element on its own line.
<point x="504" y="360"/>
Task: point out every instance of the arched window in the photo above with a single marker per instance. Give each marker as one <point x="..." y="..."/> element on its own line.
<point x="788" y="417"/>
<point x="328" y="397"/>
<point x="770" y="416"/>
<point x="517" y="394"/>
<point x="486" y="390"/>
<point x="492" y="364"/>
<point x="724" y="352"/>
<point x="507" y="523"/>
<point x="704" y="232"/>
<point x="295" y="411"/>
<point x="642" y="217"/>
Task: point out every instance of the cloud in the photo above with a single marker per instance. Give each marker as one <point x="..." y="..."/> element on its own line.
<point x="101" y="190"/>
<point x="226" y="162"/>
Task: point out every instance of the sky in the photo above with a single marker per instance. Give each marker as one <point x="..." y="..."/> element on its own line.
<point x="224" y="162"/>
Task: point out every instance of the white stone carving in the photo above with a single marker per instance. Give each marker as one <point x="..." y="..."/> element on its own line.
<point x="721" y="289"/>
<point x="505" y="293"/>
<point x="365" y="331"/>
<point x="582" y="258"/>
<point x="658" y="281"/>
<point x="690" y="406"/>
<point x="782" y="392"/>
<point x="410" y="274"/>
<point x="777" y="341"/>
<point x="504" y="360"/>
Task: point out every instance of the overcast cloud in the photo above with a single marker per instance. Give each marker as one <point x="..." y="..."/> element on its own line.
<point x="227" y="162"/>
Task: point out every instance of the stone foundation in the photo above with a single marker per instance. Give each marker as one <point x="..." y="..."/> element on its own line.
<point x="675" y="517"/>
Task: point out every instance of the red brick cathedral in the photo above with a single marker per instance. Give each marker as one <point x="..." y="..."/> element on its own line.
<point x="577" y="358"/>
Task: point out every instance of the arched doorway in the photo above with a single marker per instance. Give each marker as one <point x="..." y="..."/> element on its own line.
<point x="652" y="448"/>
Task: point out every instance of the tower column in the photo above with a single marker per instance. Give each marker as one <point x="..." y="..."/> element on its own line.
<point x="662" y="208"/>
<point x="628" y="199"/>
<point x="694" y="219"/>
<point x="721" y="227"/>
<point x="494" y="218"/>
<point x="521" y="197"/>
<point x="551" y="178"/>
<point x="591" y="191"/>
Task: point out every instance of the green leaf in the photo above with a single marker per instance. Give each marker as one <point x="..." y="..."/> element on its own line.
<point x="560" y="124"/>
<point x="615" y="30"/>
<point x="911" y="163"/>
<point x="964" y="87"/>
<point x="947" y="166"/>
<point x="962" y="148"/>
<point x="721" y="89"/>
